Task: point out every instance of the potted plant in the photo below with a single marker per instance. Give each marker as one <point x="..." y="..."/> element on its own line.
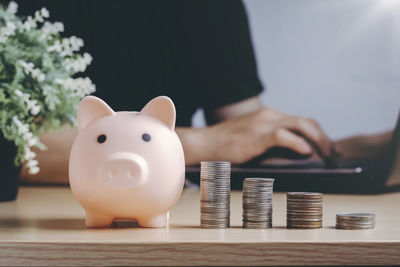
<point x="39" y="88"/>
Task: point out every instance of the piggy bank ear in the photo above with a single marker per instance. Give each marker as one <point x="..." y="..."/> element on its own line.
<point x="162" y="108"/>
<point x="91" y="108"/>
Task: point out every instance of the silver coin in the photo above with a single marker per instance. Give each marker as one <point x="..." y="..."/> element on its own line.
<point x="355" y="215"/>
<point x="265" y="202"/>
<point x="217" y="203"/>
<point x="355" y="224"/>
<point x="304" y="210"/>
<point x="258" y="179"/>
<point x="247" y="225"/>
<point x="304" y="194"/>
<point x="355" y="221"/>
<point x="355" y="227"/>
<point x="214" y="208"/>
<point x="304" y="226"/>
<point x="257" y="218"/>
<point x="257" y="215"/>
<point x="207" y="209"/>
<point x="221" y="221"/>
<point x="304" y="201"/>
<point x="264" y="222"/>
<point x="304" y="218"/>
<point x="215" y="194"/>
<point x="257" y="211"/>
<point x="257" y="202"/>
<point x="292" y="207"/>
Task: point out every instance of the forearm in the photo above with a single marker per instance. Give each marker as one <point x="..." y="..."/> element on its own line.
<point x="364" y="147"/>
<point x="195" y="145"/>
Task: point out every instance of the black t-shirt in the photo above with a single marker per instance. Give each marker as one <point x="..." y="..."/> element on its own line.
<point x="199" y="53"/>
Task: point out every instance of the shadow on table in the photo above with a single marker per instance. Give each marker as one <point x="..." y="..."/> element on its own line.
<point x="59" y="224"/>
<point x="49" y="224"/>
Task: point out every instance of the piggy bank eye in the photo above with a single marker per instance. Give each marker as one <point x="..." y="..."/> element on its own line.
<point x="101" y="138"/>
<point x="146" y="137"/>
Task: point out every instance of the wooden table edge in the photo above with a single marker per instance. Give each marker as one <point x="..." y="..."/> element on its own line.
<point x="83" y="253"/>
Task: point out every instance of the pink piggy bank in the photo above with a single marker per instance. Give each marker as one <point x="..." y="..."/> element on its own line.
<point x="126" y="165"/>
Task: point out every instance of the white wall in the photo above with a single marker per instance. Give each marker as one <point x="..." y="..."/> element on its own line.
<point x="335" y="60"/>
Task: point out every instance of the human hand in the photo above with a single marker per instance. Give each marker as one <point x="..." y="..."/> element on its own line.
<point x="365" y="148"/>
<point x="245" y="137"/>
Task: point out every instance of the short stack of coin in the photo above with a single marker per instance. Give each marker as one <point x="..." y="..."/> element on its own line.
<point x="304" y="210"/>
<point x="215" y="186"/>
<point x="355" y="221"/>
<point x="257" y="202"/>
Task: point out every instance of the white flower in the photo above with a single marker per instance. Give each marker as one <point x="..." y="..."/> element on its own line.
<point x="29" y="68"/>
<point x="57" y="27"/>
<point x="32" y="141"/>
<point x="12" y="7"/>
<point x="34" y="170"/>
<point x="44" y="12"/>
<point x="67" y="46"/>
<point x="32" y="163"/>
<point x="18" y="93"/>
<point x="7" y="31"/>
<point x="49" y="29"/>
<point x="22" y="128"/>
<point x="78" y="65"/>
<point x="75" y="43"/>
<point x="35" y="110"/>
<point x="28" y="136"/>
<point x="38" y="17"/>
<point x="87" y="58"/>
<point x="55" y="47"/>
<point x="79" y="86"/>
<point x="29" y="154"/>
<point x="41" y="15"/>
<point x="29" y="23"/>
<point x="32" y="105"/>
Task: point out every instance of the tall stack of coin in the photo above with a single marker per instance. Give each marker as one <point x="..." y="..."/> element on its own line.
<point x="215" y="186"/>
<point x="304" y="210"/>
<point x="355" y="221"/>
<point x="257" y="202"/>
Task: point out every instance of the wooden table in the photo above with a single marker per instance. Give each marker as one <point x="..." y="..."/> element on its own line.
<point x="45" y="226"/>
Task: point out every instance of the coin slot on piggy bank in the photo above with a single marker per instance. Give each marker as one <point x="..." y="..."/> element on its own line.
<point x="126" y="165"/>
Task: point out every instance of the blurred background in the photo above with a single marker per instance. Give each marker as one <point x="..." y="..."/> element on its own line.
<point x="337" y="61"/>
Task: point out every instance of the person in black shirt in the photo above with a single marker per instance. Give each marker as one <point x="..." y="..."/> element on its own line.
<point x="197" y="52"/>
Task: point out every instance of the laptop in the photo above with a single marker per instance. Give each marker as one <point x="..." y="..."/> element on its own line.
<point x="305" y="175"/>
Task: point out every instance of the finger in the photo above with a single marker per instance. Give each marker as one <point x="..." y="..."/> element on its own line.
<point x="312" y="132"/>
<point x="271" y="114"/>
<point x="285" y="138"/>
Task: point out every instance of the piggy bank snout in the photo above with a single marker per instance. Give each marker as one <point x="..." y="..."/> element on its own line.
<point x="124" y="170"/>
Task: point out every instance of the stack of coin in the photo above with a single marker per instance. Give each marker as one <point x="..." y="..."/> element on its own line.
<point x="355" y="221"/>
<point x="257" y="202"/>
<point x="304" y="210"/>
<point x="215" y="186"/>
